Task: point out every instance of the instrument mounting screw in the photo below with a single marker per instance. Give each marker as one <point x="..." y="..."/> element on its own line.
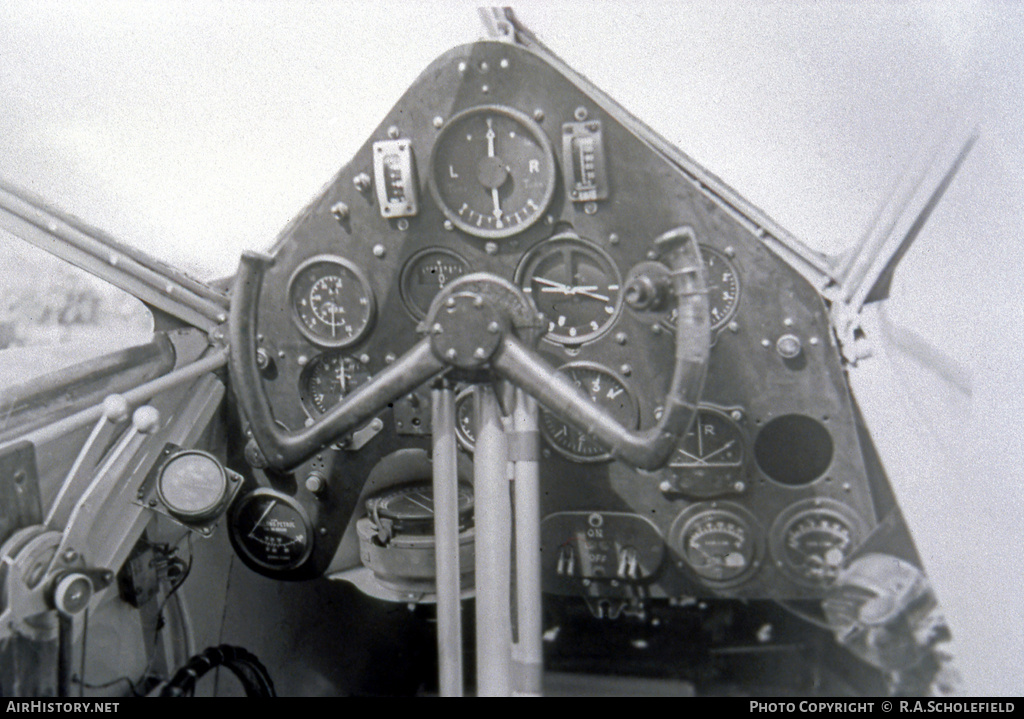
<point x="437" y="329"/>
<point x="493" y="327"/>
<point x="361" y="182"/>
<point x="364" y="358"/>
<point x="730" y="251"/>
<point x="739" y="486"/>
<point x="580" y="114"/>
<point x="452" y="353"/>
<point x="448" y="225"/>
<point x="621" y="337"/>
<point x="393" y="132"/>
<point x="736" y="415"/>
<point x="504" y="63"/>
<point x="379" y="251"/>
<point x="538" y="115"/>
<point x="734" y="327"/>
<point x="70" y="555"/>
<point x="403" y="225"/>
<point x="626" y="370"/>
<point x="484" y="67"/>
<point x="389" y="358"/>
<point x="340" y="211"/>
<point x="491" y="248"/>
<point x="438" y="121"/>
<point x="480" y="353"/>
<point x="590" y="208"/>
<point x="613" y="238"/>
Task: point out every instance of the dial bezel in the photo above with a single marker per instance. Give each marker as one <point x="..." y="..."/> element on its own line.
<point x="715" y="325"/>
<point x="411" y="264"/>
<point x="532" y="259"/>
<point x="367" y="292"/>
<point x="634" y="407"/>
<point x="735" y="513"/>
<point x="244" y="549"/>
<point x="549" y="176"/>
<point x="793" y="514"/>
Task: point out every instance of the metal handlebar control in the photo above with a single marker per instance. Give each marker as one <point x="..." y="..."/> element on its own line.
<point x="482" y="320"/>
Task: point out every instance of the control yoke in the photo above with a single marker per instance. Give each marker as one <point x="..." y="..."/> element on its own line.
<point x="482" y="320"/>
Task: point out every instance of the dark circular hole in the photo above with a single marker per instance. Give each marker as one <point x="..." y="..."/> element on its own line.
<point x="793" y="449"/>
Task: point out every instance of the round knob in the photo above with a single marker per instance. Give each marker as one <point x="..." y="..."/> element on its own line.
<point x="72" y="593"/>
<point x="789" y="346"/>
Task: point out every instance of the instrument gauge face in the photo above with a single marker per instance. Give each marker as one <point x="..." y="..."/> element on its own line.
<point x="410" y="508"/>
<point x="575" y="285"/>
<point x="427" y="273"/>
<point x="723" y="287"/>
<point x="492" y="171"/>
<point x="720" y="543"/>
<point x="714" y="440"/>
<point x="465" y="420"/>
<point x="813" y="540"/>
<point x="332" y="301"/>
<point x="271" y="530"/>
<point x="327" y="379"/>
<point x="606" y="390"/>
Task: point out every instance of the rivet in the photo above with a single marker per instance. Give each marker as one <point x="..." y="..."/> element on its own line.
<point x="451" y="353"/>
<point x="485" y="89"/>
<point x="621" y="337"/>
<point x="665" y="486"/>
<point x="448" y="225"/>
<point x="813" y="340"/>
<point x="450" y="302"/>
<point x="766" y="343"/>
<point x="393" y="132"/>
<point x="302" y="360"/>
<point x="493" y="327"/>
<point x="734" y="327"/>
<point x="504" y="63"/>
<point x="403" y="225"/>
<point x="340" y="211"/>
<point x="730" y="251"/>
<point x="462" y="67"/>
<point x="658" y="412"/>
<point x="656" y="329"/>
<point x="590" y="208"/>
<point x="480" y="353"/>
<point x="538" y="115"/>
<point x="626" y="370"/>
<point x="581" y="113"/>
<point x="438" y="121"/>
<point x="281" y="354"/>
<point x="379" y="251"/>
<point x="788" y="322"/>
<point x="739" y="486"/>
<point x="736" y="415"/>
<point x="389" y="358"/>
<point x="437" y="328"/>
<point x="361" y="182"/>
<point x="652" y="255"/>
<point x="364" y="358"/>
<point x="613" y="239"/>
<point x="491" y="248"/>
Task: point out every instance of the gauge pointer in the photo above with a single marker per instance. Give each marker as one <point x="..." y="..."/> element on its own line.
<point x="262" y="517"/>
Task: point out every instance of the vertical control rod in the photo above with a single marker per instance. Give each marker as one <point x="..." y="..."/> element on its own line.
<point x="529" y="649"/>
<point x="446" y="533"/>
<point x="493" y="527"/>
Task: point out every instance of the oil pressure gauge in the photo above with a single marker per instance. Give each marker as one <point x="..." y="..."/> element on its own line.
<point x="492" y="171"/>
<point x="332" y="301"/>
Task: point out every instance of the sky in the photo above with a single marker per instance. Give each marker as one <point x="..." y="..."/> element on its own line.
<point x="197" y="130"/>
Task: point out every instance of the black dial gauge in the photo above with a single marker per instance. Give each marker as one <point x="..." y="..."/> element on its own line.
<point x="332" y="301"/>
<point x="493" y="171"/>
<point x="713" y="441"/>
<point x="465" y="420"/>
<point x="271" y="530"/>
<point x="327" y="379"/>
<point x="720" y="543"/>
<point x="410" y="508"/>
<point x="723" y="287"/>
<point x="575" y="285"/>
<point x="425" y="274"/>
<point x="606" y="390"/>
<point x="812" y="540"/>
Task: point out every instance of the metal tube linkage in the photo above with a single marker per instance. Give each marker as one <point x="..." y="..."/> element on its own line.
<point x="446" y="547"/>
<point x="493" y="550"/>
<point x="529" y="648"/>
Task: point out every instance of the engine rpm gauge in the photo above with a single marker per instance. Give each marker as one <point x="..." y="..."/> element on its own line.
<point x="492" y="171"/>
<point x="812" y="540"/>
<point x="427" y="273"/>
<point x="271" y="530"/>
<point x="327" y="379"/>
<point x="604" y="389"/>
<point x="723" y="287"/>
<point x="719" y="542"/>
<point x="576" y="285"/>
<point x="332" y="301"/>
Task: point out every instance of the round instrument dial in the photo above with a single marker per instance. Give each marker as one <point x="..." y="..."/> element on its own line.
<point x="193" y="486"/>
<point x="427" y="273"/>
<point x="465" y="420"/>
<point x="493" y="171"/>
<point x="604" y="389"/>
<point x="327" y="379"/>
<point x="713" y="441"/>
<point x="720" y="543"/>
<point x="332" y="301"/>
<point x="813" y="540"/>
<point x="577" y="287"/>
<point x="410" y="508"/>
<point x="723" y="287"/>
<point x="271" y="530"/>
